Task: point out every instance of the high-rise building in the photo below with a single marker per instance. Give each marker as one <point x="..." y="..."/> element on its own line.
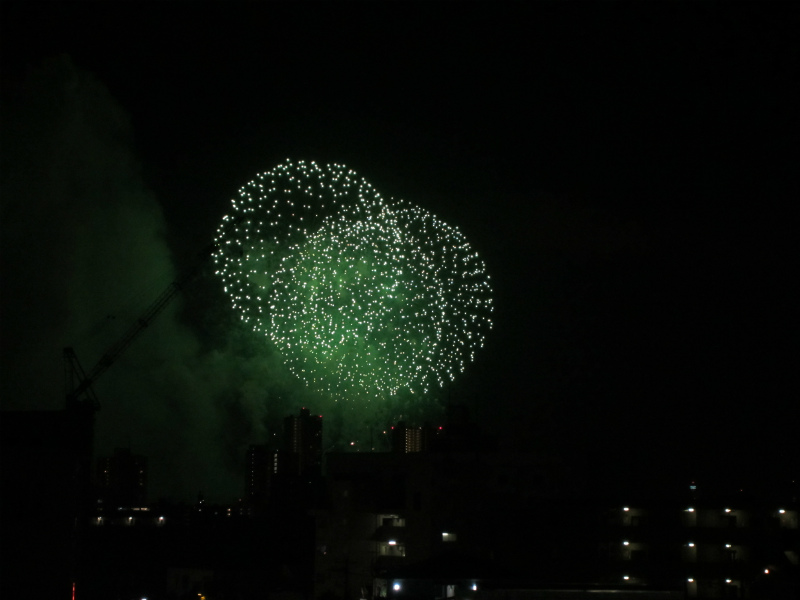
<point x="406" y="440"/>
<point x="260" y="463"/>
<point x="303" y="444"/>
<point x="122" y="479"/>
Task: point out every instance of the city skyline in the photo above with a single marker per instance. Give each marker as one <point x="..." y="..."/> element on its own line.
<point x="626" y="173"/>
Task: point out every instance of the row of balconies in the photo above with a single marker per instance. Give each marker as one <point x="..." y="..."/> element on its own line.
<point x="690" y="516"/>
<point x="143" y="519"/>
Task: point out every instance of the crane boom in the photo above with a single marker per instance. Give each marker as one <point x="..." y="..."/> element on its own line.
<point x="79" y="383"/>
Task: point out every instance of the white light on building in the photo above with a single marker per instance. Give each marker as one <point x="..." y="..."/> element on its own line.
<point x="392" y="542"/>
<point x="690" y="580"/>
<point x="474" y="587"/>
<point x="625" y="543"/>
<point x="396" y="587"/>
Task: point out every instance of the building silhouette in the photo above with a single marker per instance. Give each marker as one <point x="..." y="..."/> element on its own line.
<point x="470" y="523"/>
<point x="302" y="436"/>
<point x="262" y="466"/>
<point x="45" y="495"/>
<point x="407" y="439"/>
<point x="122" y="479"/>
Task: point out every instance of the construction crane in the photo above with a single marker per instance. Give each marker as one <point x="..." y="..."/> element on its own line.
<point x="82" y="404"/>
<point x="78" y="383"/>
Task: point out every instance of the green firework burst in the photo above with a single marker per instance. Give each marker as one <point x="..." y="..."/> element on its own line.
<point x="364" y="298"/>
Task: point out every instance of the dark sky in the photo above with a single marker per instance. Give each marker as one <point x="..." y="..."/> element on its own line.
<point x="628" y="172"/>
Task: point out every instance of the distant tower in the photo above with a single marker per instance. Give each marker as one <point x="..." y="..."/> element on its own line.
<point x="259" y="470"/>
<point x="122" y="479"/>
<point x="303" y="444"/>
<point x="407" y="440"/>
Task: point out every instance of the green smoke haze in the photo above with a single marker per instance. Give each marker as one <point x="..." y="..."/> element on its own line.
<point x="85" y="249"/>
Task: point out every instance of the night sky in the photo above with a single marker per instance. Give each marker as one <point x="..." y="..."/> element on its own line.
<point x="629" y="173"/>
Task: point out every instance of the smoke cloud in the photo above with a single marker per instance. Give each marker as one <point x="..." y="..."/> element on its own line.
<point x="84" y="251"/>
